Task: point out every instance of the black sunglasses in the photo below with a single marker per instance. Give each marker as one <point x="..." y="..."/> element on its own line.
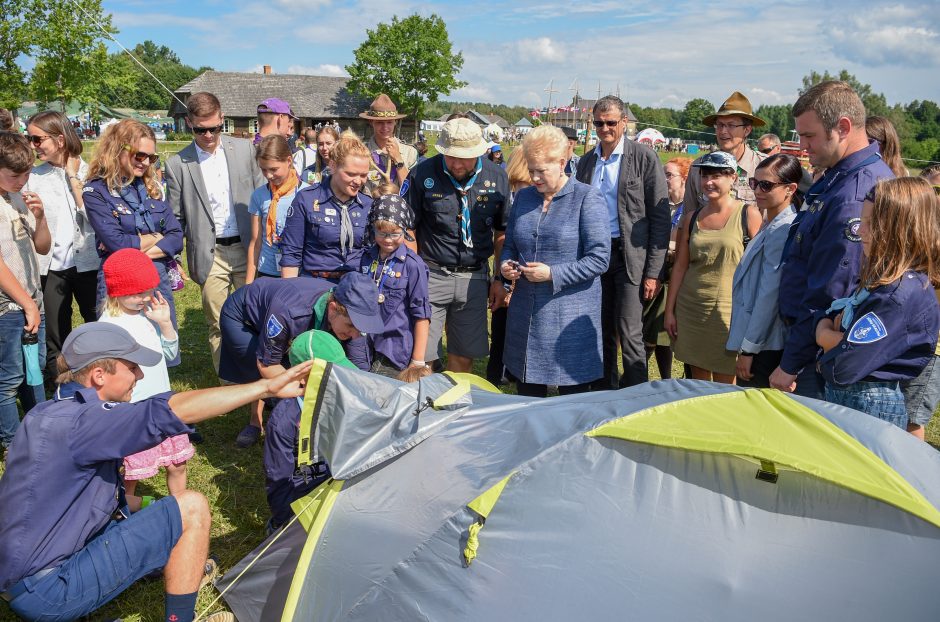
<point x="142" y="157"/>
<point x="765" y="186"/>
<point x="767" y="150"/>
<point x="599" y="123"/>
<point x="205" y="130"/>
<point x="37" y="140"/>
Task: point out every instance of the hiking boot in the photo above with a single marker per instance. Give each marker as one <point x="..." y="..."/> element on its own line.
<point x="221" y="616"/>
<point x="248" y="436"/>
<point x="210" y="572"/>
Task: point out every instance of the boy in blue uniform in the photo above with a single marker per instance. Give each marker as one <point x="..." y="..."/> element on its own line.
<point x="260" y="320"/>
<point x="402" y="280"/>
<point x="61" y="554"/>
<point x="823" y="253"/>
<point x="285" y="482"/>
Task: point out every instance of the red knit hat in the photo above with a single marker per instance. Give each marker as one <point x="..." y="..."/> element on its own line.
<point x="128" y="271"/>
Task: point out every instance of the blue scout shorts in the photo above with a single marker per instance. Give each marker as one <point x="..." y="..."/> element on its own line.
<point x="878" y="399"/>
<point x="922" y="394"/>
<point x="124" y="552"/>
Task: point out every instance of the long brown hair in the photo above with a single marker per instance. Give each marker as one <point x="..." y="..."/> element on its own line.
<point x="273" y="148"/>
<point x="327" y="129"/>
<point x="106" y="164"/>
<point x="517" y="170"/>
<point x="904" y="231"/>
<point x="56" y="124"/>
<point x="882" y="130"/>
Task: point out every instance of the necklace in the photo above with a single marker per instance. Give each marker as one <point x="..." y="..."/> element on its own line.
<point x="379" y="276"/>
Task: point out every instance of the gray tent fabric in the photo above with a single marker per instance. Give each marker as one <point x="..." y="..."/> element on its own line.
<point x="599" y="528"/>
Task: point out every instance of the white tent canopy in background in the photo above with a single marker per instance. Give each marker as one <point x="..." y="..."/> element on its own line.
<point x="650" y="136"/>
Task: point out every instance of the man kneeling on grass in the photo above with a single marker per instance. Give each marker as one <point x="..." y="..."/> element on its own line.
<point x="62" y="552"/>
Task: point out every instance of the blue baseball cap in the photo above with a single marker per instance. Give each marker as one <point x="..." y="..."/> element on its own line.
<point x="94" y="341"/>
<point x="357" y="292"/>
<point x="718" y="159"/>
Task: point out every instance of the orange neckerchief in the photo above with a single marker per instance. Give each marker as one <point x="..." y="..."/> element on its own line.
<point x="287" y="187"/>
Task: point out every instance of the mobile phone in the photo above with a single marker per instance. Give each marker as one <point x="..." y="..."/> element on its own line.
<point x="522" y="261"/>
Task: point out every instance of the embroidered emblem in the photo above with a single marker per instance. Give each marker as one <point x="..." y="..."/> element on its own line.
<point x="316" y="205"/>
<point x="428" y="183"/>
<point x="274" y="327"/>
<point x="404" y="187"/>
<point x="87" y="189"/>
<point x="109" y="405"/>
<point x="867" y="329"/>
<point x="330" y="211"/>
<point x="850" y="232"/>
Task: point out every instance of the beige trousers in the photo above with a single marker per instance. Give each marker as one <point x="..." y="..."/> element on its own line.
<point x="227" y="274"/>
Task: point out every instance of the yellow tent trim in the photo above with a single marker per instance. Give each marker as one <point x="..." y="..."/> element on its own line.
<point x="325" y="497"/>
<point x="766" y="425"/>
<point x="482" y="505"/>
<point x="312" y="397"/>
<point x="464" y="382"/>
<point x="307" y="508"/>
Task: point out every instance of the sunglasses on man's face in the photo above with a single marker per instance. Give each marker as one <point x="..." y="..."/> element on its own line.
<point x="140" y="156"/>
<point x="599" y="124"/>
<point x="202" y="131"/>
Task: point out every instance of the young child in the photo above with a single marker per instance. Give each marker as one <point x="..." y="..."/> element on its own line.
<point x="269" y="205"/>
<point x="134" y="304"/>
<point x="23" y="233"/>
<point x="402" y="280"/>
<point x="887" y="331"/>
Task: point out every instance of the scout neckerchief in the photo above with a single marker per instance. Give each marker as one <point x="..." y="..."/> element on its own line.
<point x="289" y="186"/>
<point x="848" y="306"/>
<point x="376" y="163"/>
<point x="136" y="196"/>
<point x="464" y="191"/>
<point x="319" y="312"/>
<point x="347" y="235"/>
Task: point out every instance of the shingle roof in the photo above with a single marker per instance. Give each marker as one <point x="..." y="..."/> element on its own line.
<point x="308" y="96"/>
<point x="589" y="105"/>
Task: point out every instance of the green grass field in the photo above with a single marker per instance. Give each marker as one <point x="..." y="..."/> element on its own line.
<point x="232" y="479"/>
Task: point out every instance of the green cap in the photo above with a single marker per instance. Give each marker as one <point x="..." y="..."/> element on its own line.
<point x="318" y="344"/>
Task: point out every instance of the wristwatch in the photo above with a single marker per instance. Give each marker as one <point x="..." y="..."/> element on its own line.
<point x="398" y="164"/>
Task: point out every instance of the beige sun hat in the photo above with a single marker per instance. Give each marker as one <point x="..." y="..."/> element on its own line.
<point x="461" y="138"/>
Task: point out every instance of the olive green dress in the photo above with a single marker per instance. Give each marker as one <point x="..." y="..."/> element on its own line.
<point x="703" y="308"/>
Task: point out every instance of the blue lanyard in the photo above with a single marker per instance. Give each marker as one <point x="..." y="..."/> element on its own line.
<point x="386" y="269"/>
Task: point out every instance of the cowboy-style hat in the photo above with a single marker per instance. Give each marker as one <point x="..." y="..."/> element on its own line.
<point x="737" y="105"/>
<point x="382" y="109"/>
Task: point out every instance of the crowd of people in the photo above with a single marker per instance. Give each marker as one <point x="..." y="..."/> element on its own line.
<point x="567" y="272"/>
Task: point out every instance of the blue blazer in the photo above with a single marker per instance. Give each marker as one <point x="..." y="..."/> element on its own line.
<point x="553" y="330"/>
<point x="755" y="319"/>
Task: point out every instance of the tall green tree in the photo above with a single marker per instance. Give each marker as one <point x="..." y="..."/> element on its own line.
<point x="411" y="60"/>
<point x="693" y="113"/>
<point x="14" y="41"/>
<point x="143" y="92"/>
<point x="875" y="103"/>
<point x="779" y="120"/>
<point x="72" y="62"/>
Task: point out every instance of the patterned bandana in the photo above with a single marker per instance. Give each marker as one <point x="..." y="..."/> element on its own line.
<point x="390" y="208"/>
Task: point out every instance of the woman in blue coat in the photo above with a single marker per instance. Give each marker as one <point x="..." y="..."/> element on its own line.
<point x="124" y="202"/>
<point x="557" y="246"/>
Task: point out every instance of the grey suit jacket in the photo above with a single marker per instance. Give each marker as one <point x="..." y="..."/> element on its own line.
<point x="186" y="192"/>
<point x="755" y="321"/>
<point x="642" y="209"/>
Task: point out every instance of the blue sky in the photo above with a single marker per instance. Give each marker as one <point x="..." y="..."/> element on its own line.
<point x="657" y="53"/>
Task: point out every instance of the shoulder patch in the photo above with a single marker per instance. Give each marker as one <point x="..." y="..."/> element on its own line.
<point x="108" y="405"/>
<point x="850" y="232"/>
<point x="429" y="183"/>
<point x="867" y="329"/>
<point x="274" y="327"/>
<point x="87" y="189"/>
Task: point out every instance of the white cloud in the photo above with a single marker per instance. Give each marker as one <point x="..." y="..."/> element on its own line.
<point x="890" y="35"/>
<point x="473" y="93"/>
<point x="542" y="49"/>
<point x="759" y="96"/>
<point x="325" y="69"/>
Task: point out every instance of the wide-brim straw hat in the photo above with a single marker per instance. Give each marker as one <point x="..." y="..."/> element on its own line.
<point x="382" y="109"/>
<point x="737" y="105"/>
<point x="461" y="138"/>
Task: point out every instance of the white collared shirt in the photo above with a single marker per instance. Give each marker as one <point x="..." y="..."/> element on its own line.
<point x="214" y="169"/>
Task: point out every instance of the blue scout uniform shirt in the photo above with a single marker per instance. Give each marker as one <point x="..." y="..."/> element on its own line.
<point x="280" y="309"/>
<point x="118" y="224"/>
<point x="825" y="250"/>
<point x="402" y="281"/>
<point x="285" y="482"/>
<point x="436" y="207"/>
<point x="61" y="483"/>
<point x="892" y="337"/>
<point x="269" y="261"/>
<point x="310" y="239"/>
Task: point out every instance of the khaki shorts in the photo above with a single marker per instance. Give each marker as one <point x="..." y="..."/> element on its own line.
<point x="459" y="302"/>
